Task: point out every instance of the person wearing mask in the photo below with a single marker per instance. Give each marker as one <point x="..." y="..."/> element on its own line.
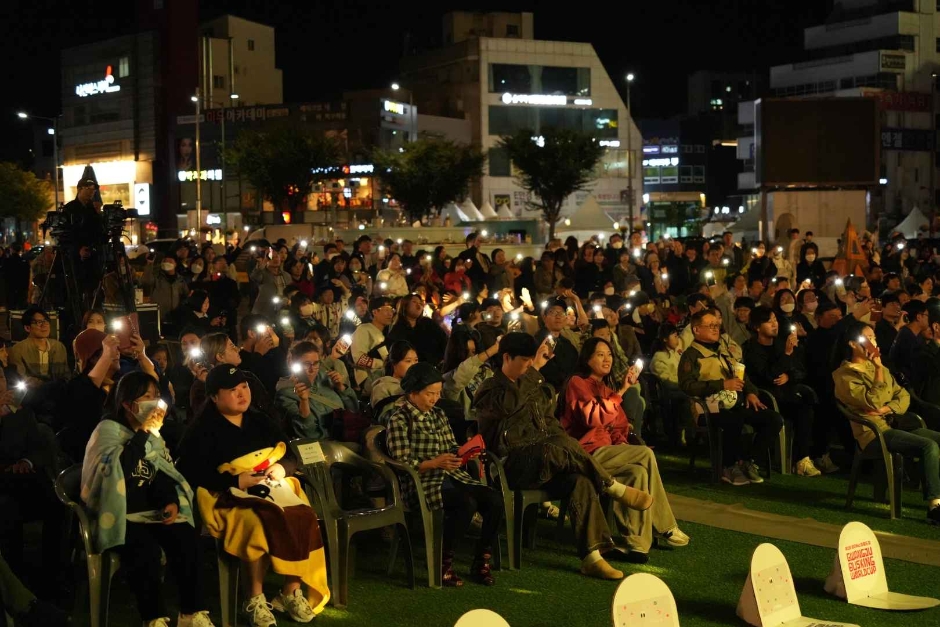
<point x="864" y="385"/>
<point x="167" y="288"/>
<point x="709" y="372"/>
<point x="419" y="435"/>
<point x="773" y="366"/>
<point x="143" y="505"/>
<point x="612" y="252"/>
<point x="38" y="358"/>
<point x="784" y="307"/>
<point x="592" y="415"/>
<point x="368" y="342"/>
<point x="219" y="459"/>
<point x="261" y="351"/>
<point x="908" y="342"/>
<point x="426" y="336"/>
<point x="810" y="267"/>
<point x="479" y="267"/>
<point x="391" y="280"/>
<point x="515" y="411"/>
<point x="806" y="304"/>
<point x="308" y="397"/>
<point x="401" y="357"/>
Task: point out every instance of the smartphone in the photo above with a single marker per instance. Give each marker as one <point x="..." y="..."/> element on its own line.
<point x="197" y="356"/>
<point x="123" y="328"/>
<point x="551" y="342"/>
<point x="487" y="316"/>
<point x="344" y="343"/>
<point x="638" y="364"/>
<point x="298" y="374"/>
<point x="19" y="392"/>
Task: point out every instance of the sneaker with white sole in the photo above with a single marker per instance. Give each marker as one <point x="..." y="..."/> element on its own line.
<point x="752" y="472"/>
<point x="295" y="604"/>
<point x="734" y="475"/>
<point x="805" y="468"/>
<point x="199" y="619"/>
<point x="674" y="537"/>
<point x="259" y="613"/>
<point x="824" y="465"/>
<point x="158" y="622"/>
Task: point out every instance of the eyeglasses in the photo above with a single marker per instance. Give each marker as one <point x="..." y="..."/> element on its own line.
<point x="310" y="365"/>
<point x="710" y="327"/>
<point x="38" y="322"/>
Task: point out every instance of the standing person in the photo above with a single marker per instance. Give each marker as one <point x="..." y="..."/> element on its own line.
<point x="515" y="410"/>
<point x="271" y="280"/>
<point x="85" y="219"/>
<point x="427" y="337"/>
<point x="261" y="351"/>
<point x="419" y="435"/>
<point x="479" y="268"/>
<point x="167" y="288"/>
<point x="16" y="277"/>
<point x="368" y="342"/>
<point x="500" y="277"/>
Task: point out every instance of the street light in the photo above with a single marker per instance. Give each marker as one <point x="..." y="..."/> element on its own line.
<point x="630" y="201"/>
<point x="395" y="86"/>
<point x="55" y="147"/>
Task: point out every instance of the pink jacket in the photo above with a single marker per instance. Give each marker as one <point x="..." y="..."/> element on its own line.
<point x="592" y="414"/>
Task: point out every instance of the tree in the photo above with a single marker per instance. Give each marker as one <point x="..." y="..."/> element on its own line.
<point x="280" y="162"/>
<point x="25" y="197"/>
<point x="553" y="166"/>
<point x="428" y="173"/>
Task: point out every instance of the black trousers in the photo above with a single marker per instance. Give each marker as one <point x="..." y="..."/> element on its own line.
<point x="24" y="498"/>
<point x="140" y="561"/>
<point x="798" y="404"/>
<point x="765" y="422"/>
<point x="460" y="503"/>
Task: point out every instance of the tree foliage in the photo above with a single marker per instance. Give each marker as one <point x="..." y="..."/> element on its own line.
<point x="559" y="163"/>
<point x="25" y="197"/>
<point x="430" y="172"/>
<point x="279" y="162"/>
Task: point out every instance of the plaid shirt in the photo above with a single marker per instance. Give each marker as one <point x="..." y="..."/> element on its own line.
<point x="414" y="437"/>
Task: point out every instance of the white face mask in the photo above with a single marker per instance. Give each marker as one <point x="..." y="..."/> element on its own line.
<point x="788" y="308"/>
<point x="168" y="267"/>
<point x="617" y="245"/>
<point x="196" y="268"/>
<point x="810" y="258"/>
<point x="144" y="408"/>
<point x="811" y="307"/>
<point x="609" y="291"/>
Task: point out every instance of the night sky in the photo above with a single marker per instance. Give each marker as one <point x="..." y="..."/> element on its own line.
<point x="326" y="47"/>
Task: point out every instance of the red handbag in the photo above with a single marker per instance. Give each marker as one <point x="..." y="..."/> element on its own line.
<point x="473" y="447"/>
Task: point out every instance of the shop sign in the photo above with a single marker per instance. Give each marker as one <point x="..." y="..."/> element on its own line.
<point x="205" y="175"/>
<point x="142" y="198"/>
<point x="610" y="143"/>
<point x="670" y="150"/>
<point x="213" y="218"/>
<point x="893" y="61"/>
<point x="104" y="86"/>
<point x="907" y="139"/>
<point x="902" y="101"/>
<point x="535" y="99"/>
<point x="664" y="161"/>
<point x="394" y="107"/>
<point x="651" y="150"/>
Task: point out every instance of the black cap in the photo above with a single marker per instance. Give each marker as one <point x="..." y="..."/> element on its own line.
<point x="554" y="302"/>
<point x="87" y="183"/>
<point x="223" y="377"/>
<point x="378" y="302"/>
<point x="260" y="243"/>
<point x="420" y="376"/>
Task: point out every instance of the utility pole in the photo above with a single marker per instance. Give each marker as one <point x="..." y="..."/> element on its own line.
<point x="630" y="199"/>
<point x="198" y="168"/>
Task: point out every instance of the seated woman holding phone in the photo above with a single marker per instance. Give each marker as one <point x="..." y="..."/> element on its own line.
<point x="419" y="435"/>
<point x="866" y="387"/>
<point x="308" y="397"/>
<point x="142" y="504"/>
<point x="593" y="415"/>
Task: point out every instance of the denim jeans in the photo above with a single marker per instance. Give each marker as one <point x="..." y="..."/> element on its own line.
<point x="922" y="443"/>
<point x="766" y="424"/>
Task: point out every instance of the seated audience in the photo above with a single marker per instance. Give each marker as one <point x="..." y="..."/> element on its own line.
<point x="566" y="345"/>
<point x="39" y="358"/>
<point x="368" y="342"/>
<point x="665" y="367"/>
<point x="926" y="371"/>
<point x="892" y="321"/>
<point x="419" y="435"/>
<point x="308" y="398"/>
<point x="261" y="351"/>
<point x="387" y="389"/>
<point x="426" y="336"/>
<point x="908" y="342"/>
<point x="465" y="369"/>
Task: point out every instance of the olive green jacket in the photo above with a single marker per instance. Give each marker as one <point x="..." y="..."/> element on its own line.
<point x="856" y="388"/>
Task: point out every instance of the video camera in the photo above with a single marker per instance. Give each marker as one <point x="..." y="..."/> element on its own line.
<point x="114" y="216"/>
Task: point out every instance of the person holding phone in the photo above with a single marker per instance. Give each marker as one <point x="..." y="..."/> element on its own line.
<point x="865" y="385"/>
<point x="419" y="435"/>
<point x="308" y="397"/>
<point x="593" y="415"/>
<point x="143" y="505"/>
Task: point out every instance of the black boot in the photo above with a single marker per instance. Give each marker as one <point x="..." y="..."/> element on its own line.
<point x="480" y="569"/>
<point x="449" y="578"/>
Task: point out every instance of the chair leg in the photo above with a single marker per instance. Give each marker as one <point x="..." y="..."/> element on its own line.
<point x="519" y="515"/>
<point x="336" y="556"/>
<point x="530" y="524"/>
<point x="228" y="589"/>
<point x="853" y="479"/>
<point x="509" y="520"/>
<point x="784" y="451"/>
<point x="341" y="575"/>
<point x="560" y="525"/>
<point x="402" y="529"/>
<point x="434" y="547"/>
<point x="393" y="551"/>
<point x="896" y="486"/>
<point x="99" y="588"/>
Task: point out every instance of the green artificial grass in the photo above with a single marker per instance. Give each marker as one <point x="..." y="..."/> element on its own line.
<point x="706" y="578"/>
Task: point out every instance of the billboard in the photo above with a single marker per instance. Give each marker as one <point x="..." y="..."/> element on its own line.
<point x="817" y="142"/>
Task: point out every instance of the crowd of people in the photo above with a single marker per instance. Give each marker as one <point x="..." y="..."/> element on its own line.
<point x="553" y="361"/>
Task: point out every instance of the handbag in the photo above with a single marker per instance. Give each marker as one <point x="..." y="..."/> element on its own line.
<point x="474" y="447"/>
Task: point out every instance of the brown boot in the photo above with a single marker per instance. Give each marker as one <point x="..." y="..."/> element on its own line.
<point x="601" y="570"/>
<point x="635" y="499"/>
<point x="480" y="569"/>
<point x="449" y="578"/>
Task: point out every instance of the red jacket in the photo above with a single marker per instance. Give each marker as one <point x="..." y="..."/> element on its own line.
<point x="592" y="414"/>
<point x="457" y="282"/>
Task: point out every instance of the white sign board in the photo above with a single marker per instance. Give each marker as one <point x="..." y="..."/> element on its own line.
<point x="644" y="600"/>
<point x="769" y="597"/>
<point x="310" y="453"/>
<point x="858" y="574"/>
<point x="142" y="198"/>
<point x="481" y="618"/>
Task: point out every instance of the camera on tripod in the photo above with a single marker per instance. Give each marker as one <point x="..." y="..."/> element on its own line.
<point x="114" y="216"/>
<point x="59" y="224"/>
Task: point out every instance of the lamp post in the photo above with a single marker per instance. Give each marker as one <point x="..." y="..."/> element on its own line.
<point x="55" y="148"/>
<point x="212" y="103"/>
<point x="195" y="99"/>
<point x="630" y="199"/>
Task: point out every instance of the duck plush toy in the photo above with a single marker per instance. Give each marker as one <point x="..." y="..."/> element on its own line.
<point x="278" y="492"/>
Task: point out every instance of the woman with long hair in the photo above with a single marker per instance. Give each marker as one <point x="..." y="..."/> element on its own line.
<point x="465" y="367"/>
<point x="593" y="415"/>
<point x="457" y="280"/>
<point x="390" y="280"/>
<point x="806" y="304"/>
<point x="401" y="357"/>
<point x="585" y="272"/>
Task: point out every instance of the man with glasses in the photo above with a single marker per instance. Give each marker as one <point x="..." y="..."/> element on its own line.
<point x="565" y="351"/>
<point x="39" y="358"/>
<point x="308" y="397"/>
<point x="908" y="343"/>
<point x="368" y="342"/>
<point x="708" y="371"/>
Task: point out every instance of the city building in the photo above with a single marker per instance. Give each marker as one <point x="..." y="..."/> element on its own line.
<point x="492" y="72"/>
<point x="237" y="58"/>
<point x="887" y="50"/>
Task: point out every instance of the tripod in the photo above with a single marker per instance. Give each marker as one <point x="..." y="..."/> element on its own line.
<point x="64" y="261"/>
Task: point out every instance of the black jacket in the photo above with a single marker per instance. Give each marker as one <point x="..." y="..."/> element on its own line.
<point x="86" y="223"/>
<point x="926" y="374"/>
<point x="426" y="336"/>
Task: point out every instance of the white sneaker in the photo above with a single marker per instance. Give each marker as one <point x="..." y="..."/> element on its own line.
<point x="294" y="604"/>
<point x="199" y="619"/>
<point x="734" y="475"/>
<point x="824" y="464"/>
<point x="805" y="468"/>
<point x="158" y="622"/>
<point x="259" y="613"/>
<point x="674" y="537"/>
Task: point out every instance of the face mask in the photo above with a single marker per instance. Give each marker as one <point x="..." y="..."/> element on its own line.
<point x="811" y="307"/>
<point x="168" y="267"/>
<point x="810" y="258"/>
<point x="144" y="408"/>
<point x="306" y="310"/>
<point x="197" y="269"/>
<point x="788" y="308"/>
<point x="617" y="245"/>
<point x="609" y="291"/>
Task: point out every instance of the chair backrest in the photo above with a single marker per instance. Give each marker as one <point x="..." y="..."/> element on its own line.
<point x="68" y="486"/>
<point x="481" y="618"/>
<point x="375" y="443"/>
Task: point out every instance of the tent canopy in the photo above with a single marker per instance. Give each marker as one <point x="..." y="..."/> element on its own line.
<point x="588" y="217"/>
<point x="911" y="225"/>
<point x="471" y="210"/>
<point x="487" y="211"/>
<point x="453" y="212"/>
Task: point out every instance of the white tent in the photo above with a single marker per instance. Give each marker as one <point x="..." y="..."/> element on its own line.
<point x="588" y="217"/>
<point x="487" y="211"/>
<point x="504" y="213"/>
<point x="471" y="210"/>
<point x="911" y="225"/>
<point x="453" y="212"/>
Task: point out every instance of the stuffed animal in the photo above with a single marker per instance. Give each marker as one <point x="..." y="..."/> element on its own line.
<point x="257" y="462"/>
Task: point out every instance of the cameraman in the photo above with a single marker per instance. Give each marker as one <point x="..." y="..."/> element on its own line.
<point x="84" y="218"/>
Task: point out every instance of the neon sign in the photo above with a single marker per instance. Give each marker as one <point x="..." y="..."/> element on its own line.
<point x="394" y="107"/>
<point x="205" y="175"/>
<point x="535" y="99"/>
<point x="104" y="86"/>
<point x="663" y="162"/>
